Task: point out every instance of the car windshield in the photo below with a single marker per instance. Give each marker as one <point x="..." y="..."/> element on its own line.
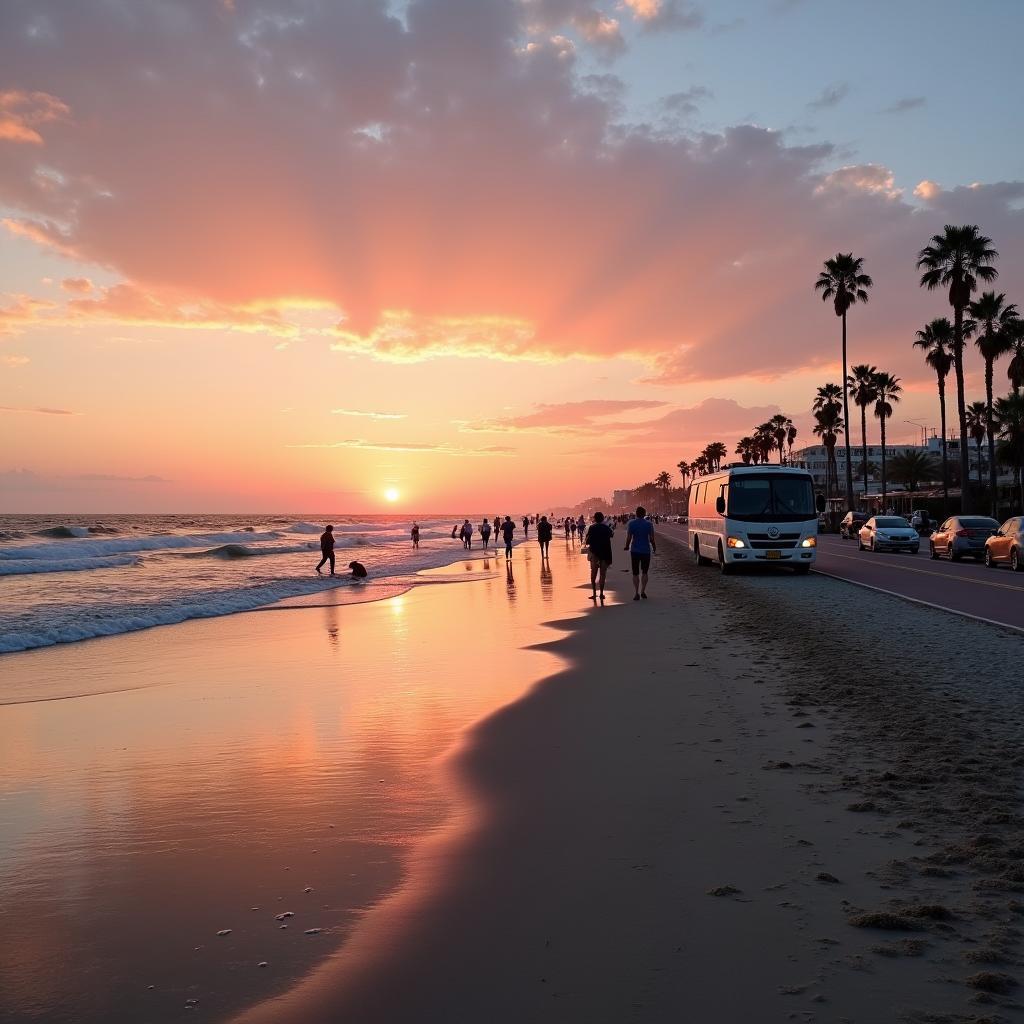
<point x="979" y="523"/>
<point x="771" y="498"/>
<point x="892" y="523"/>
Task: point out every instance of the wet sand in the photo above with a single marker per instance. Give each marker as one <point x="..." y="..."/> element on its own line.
<point x="229" y="764"/>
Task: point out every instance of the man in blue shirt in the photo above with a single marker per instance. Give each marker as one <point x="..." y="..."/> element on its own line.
<point x="640" y="545"/>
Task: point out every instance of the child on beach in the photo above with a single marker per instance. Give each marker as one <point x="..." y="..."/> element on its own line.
<point x="358" y="571"/>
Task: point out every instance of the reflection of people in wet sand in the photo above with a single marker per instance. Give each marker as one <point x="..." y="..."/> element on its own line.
<point x="326" y="549"/>
<point x="415" y="535"/>
<point x="544" y="535"/>
<point x="599" y="543"/>
<point x="358" y="570"/>
<point x="508" y="528"/>
<point x="485" y="533"/>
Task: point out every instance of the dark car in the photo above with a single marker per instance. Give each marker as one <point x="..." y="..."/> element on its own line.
<point x="962" y="536"/>
<point x="1007" y="545"/>
<point x="851" y="523"/>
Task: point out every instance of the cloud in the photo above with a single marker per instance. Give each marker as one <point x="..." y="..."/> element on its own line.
<point x="149" y="478"/>
<point x="13" y="361"/>
<point x="77" y="285"/>
<point x="685" y="103"/>
<point x="448" y="184"/>
<point x="831" y="96"/>
<point x="412" y="447"/>
<point x="370" y="415"/>
<point x="584" y="417"/>
<point x="26" y="480"/>
<point x="927" y="189"/>
<point x="903" y="105"/>
<point x="665" y="14"/>
<point x="36" y="409"/>
<point x="22" y="113"/>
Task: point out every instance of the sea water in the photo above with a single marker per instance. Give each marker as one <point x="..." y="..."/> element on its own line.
<point x="76" y="577"/>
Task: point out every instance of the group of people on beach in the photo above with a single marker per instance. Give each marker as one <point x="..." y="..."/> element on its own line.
<point x="595" y="540"/>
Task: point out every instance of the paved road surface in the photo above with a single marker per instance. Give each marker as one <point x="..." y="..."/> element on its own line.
<point x="963" y="587"/>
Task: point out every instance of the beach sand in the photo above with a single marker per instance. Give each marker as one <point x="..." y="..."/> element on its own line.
<point x="722" y="804"/>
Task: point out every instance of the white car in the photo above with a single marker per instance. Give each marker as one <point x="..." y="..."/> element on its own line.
<point x="888" y="533"/>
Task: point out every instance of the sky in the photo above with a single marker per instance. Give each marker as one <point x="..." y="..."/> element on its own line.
<point x="489" y="255"/>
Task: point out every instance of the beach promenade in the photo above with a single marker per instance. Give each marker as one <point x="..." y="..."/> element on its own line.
<point x="492" y="801"/>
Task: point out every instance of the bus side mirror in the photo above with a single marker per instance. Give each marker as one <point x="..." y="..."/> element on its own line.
<point x="819" y="502"/>
<point x="720" y="505"/>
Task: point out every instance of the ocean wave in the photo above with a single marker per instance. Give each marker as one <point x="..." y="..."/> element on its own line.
<point x="12" y="535"/>
<point x="32" y="566"/>
<point x="305" y="528"/>
<point x="95" y="547"/>
<point x="64" y="531"/>
<point x="246" y="551"/>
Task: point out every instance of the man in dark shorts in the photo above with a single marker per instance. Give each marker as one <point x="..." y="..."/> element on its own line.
<point x="640" y="545"/>
<point x="599" y="543"/>
<point x="326" y="549"/>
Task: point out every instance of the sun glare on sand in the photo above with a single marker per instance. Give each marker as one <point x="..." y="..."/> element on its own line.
<point x="391" y="494"/>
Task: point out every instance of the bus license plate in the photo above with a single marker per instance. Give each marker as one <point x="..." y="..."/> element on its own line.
<point x="773" y="554"/>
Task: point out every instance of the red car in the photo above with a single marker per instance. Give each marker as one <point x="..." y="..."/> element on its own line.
<point x="1007" y="545"/>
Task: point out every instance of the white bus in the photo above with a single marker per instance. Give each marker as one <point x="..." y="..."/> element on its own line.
<point x="752" y="515"/>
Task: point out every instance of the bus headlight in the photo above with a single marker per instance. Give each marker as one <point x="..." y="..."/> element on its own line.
<point x="809" y="542"/>
<point x="734" y="542"/>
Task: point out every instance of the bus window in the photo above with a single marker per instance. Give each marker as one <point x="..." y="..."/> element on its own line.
<point x="751" y="496"/>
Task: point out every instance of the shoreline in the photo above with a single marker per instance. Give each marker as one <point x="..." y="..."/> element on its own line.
<point x="569" y="891"/>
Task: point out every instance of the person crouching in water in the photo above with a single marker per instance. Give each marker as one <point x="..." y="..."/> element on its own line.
<point x="544" y="536"/>
<point x="598" y="541"/>
<point x="326" y="549"/>
<point x="358" y="571"/>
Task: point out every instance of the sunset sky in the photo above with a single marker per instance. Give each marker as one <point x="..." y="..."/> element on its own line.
<point x="497" y="255"/>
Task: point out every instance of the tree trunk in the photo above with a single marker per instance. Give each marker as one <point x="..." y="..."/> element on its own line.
<point x="882" y="421"/>
<point x="990" y="430"/>
<point x="846" y="423"/>
<point x="977" y="445"/>
<point x="945" y="457"/>
<point x="864" y="443"/>
<point x="961" y="409"/>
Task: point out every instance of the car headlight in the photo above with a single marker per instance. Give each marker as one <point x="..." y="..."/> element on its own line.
<point x="809" y="542"/>
<point x="734" y="542"/>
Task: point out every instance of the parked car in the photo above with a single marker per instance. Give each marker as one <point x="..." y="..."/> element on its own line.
<point x="962" y="536"/>
<point x="851" y="523"/>
<point x="1007" y="545"/>
<point x="922" y="522"/>
<point x="888" y="533"/>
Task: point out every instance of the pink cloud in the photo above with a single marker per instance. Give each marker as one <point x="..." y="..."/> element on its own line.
<point x="77" y="285"/>
<point x="22" y="113"/>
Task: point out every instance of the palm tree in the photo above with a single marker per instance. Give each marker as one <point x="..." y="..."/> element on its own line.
<point x="745" y="449"/>
<point x="1010" y="424"/>
<point x="827" y="394"/>
<point x="887" y="392"/>
<point x="958" y="259"/>
<point x="828" y="426"/>
<point x="790" y="438"/>
<point x="684" y="470"/>
<point x="861" y="384"/>
<point x="780" y="424"/>
<point x="977" y="425"/>
<point x="910" y="468"/>
<point x="664" y="481"/>
<point x="994" y="316"/>
<point x="716" y="452"/>
<point x="936" y="338"/>
<point x="844" y="282"/>
<point x="764" y="441"/>
<point x="1015" y="371"/>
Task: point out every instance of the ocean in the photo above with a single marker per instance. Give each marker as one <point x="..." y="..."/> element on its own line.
<point x="71" y="578"/>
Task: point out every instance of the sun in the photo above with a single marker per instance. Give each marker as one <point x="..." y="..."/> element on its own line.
<point x="391" y="494"/>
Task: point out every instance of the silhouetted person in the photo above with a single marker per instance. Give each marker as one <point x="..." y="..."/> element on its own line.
<point x="544" y="535"/>
<point x="640" y="545"/>
<point x="508" y="528"/>
<point x="415" y="535"/>
<point x="466" y="533"/>
<point x="565" y="523"/>
<point x="599" y="544"/>
<point x="526" y="526"/>
<point x="326" y="549"/>
<point x="358" y="570"/>
<point x="485" y="533"/>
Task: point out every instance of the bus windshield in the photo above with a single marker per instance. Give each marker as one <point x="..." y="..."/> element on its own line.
<point x="771" y="498"/>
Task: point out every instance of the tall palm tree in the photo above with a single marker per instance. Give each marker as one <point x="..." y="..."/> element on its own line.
<point x="717" y="451"/>
<point x="664" y="482"/>
<point x="780" y="424"/>
<point x="936" y="338"/>
<point x="684" y="470"/>
<point x="828" y="426"/>
<point x="745" y="449"/>
<point x="957" y="259"/>
<point x="1015" y="371"/>
<point x="827" y="394"/>
<point x="844" y="282"/>
<point x="861" y="385"/>
<point x="790" y="438"/>
<point x="977" y="425"/>
<point x="1010" y="424"/>
<point x="994" y="316"/>
<point x="887" y="393"/>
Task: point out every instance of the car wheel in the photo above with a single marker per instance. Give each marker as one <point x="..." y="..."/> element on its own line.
<point x="914" y="551"/>
<point x="990" y="562"/>
<point x="1015" y="563"/>
<point x="860" y="544"/>
<point x="953" y="556"/>
<point x="932" y="551"/>
<point x="871" y="546"/>
<point x="698" y="558"/>
<point x="801" y="570"/>
<point x="724" y="567"/>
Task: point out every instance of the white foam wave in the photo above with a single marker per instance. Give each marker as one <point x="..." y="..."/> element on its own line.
<point x="31" y="566"/>
<point x="94" y="548"/>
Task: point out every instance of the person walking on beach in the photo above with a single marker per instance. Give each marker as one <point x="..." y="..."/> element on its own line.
<point x="485" y="533"/>
<point x="508" y="528"/>
<point x="326" y="549"/>
<point x="526" y="526"/>
<point x="415" y="535"/>
<point x="467" y="534"/>
<point x="565" y="523"/>
<point x="640" y="545"/>
<point x="572" y="528"/>
<point x="543" y="535"/>
<point x="497" y="530"/>
<point x="581" y="528"/>
<point x="598" y="542"/>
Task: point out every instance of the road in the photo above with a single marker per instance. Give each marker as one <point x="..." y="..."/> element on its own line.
<point x="965" y="588"/>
